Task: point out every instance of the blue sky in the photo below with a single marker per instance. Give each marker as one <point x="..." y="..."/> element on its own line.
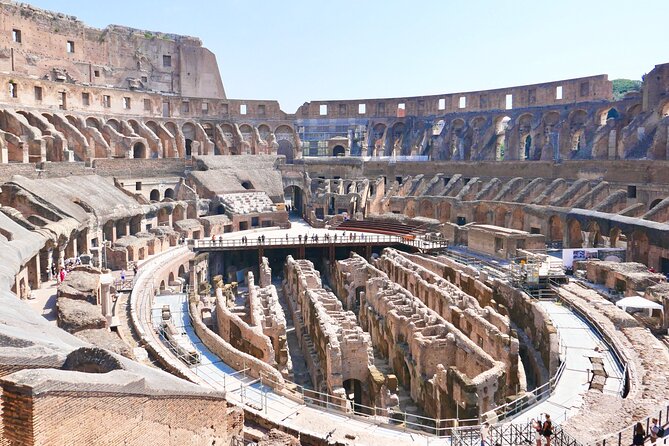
<point x="298" y="51"/>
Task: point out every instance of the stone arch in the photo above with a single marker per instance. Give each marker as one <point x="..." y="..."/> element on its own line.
<point x="482" y="214"/>
<point x="396" y="146"/>
<point x="595" y="239"/>
<point x="517" y="219"/>
<point x="169" y="193"/>
<point x="182" y="272"/>
<point x="632" y="112"/>
<point x="93" y="122"/>
<point x="456" y="146"/>
<point x="265" y="132"/>
<point x="134" y="125"/>
<point x="170" y="278"/>
<point x="376" y="139"/>
<point x="139" y="151"/>
<point x="113" y="123"/>
<point x="575" y="234"/>
<point x="188" y="130"/>
<point x="617" y="238"/>
<point x="154" y="195"/>
<point x="555" y="230"/>
<point x="664" y="109"/>
<point x="638" y="247"/>
<point x="410" y="208"/>
<point x="286" y="140"/>
<point x="501" y="125"/>
<point x="445" y="211"/>
<point x="338" y="150"/>
<point x="179" y="212"/>
<point x="608" y="113"/>
<point x="426" y="208"/>
<point x="654" y="203"/>
<point x="500" y="216"/>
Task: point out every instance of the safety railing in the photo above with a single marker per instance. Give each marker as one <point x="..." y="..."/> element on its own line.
<point x="315" y="240"/>
<point x="377" y="415"/>
<point x="531" y="398"/>
<point x="624" y="436"/>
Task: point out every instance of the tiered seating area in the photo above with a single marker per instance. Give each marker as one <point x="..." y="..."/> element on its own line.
<point x="380" y="227"/>
<point x="248" y="203"/>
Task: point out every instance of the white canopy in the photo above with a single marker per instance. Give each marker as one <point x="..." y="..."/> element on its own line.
<point x="639" y="302"/>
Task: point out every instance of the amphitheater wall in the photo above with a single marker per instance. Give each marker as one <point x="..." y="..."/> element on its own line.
<point x="228" y="354"/>
<point x="105" y="418"/>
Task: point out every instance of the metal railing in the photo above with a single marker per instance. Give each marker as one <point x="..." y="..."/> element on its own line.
<point x="323" y="240"/>
<point x="531" y="398"/>
<point x="381" y="416"/>
<point x="509" y="434"/>
<point x="624" y="436"/>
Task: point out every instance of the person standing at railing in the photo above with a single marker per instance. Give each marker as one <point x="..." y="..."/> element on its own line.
<point x="485" y="434"/>
<point x="536" y="429"/>
<point x="639" y="435"/>
<point x="654" y="431"/>
<point x="547" y="430"/>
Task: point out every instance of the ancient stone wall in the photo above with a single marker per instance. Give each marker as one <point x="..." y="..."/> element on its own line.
<point x="265" y="311"/>
<point x="419" y="343"/>
<point x="331" y="336"/>
<point x="36" y="414"/>
<point x="484" y="326"/>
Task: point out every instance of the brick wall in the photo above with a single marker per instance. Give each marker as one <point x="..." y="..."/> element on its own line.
<point x="77" y="418"/>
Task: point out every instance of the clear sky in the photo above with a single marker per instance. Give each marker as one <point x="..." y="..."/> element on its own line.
<point x="303" y="50"/>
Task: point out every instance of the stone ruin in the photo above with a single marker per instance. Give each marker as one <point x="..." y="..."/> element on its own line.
<point x="338" y="352"/>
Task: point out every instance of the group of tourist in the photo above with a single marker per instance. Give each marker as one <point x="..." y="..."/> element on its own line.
<point x="655" y="431"/>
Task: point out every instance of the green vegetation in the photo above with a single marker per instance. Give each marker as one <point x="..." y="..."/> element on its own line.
<point x="623" y="86"/>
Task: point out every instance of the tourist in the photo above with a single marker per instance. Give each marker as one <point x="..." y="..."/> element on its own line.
<point x="485" y="434"/>
<point x="122" y="275"/>
<point x="536" y="430"/>
<point x="547" y="430"/>
<point x="286" y="237"/>
<point x="654" y="430"/>
<point x="299" y="238"/>
<point x="134" y="269"/>
<point x="263" y="239"/>
<point x="61" y="275"/>
<point x="639" y="435"/>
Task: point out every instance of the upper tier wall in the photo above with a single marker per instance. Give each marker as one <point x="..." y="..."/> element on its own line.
<point x="584" y="89"/>
<point x="44" y="44"/>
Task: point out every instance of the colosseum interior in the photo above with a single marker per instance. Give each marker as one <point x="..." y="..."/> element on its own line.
<point x="178" y="267"/>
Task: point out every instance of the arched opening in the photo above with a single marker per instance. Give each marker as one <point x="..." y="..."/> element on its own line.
<point x="338" y="150"/>
<point x="611" y="113"/>
<point x="595" y="239"/>
<point x="178" y="214"/>
<point x="247" y="185"/>
<point x="665" y="110"/>
<point x="527" y="148"/>
<point x="170" y="278"/>
<point x="426" y="209"/>
<point x="617" y="239"/>
<point x="500" y="130"/>
<point x="162" y="285"/>
<point x="654" y="203"/>
<point x="189" y="148"/>
<point x="182" y="272"/>
<point x="154" y="195"/>
<point x="353" y="388"/>
<point x="93" y="122"/>
<point x="121" y="229"/>
<point x="169" y="193"/>
<point x="555" y="231"/>
<point x="500" y="216"/>
<point x="113" y="123"/>
<point x="286" y="149"/>
<point x="139" y="151"/>
<point x="638" y="248"/>
<point x="293" y="197"/>
<point x="163" y="217"/>
<point x="445" y="211"/>
<point x="481" y="214"/>
<point x="575" y="234"/>
<point x="577" y="140"/>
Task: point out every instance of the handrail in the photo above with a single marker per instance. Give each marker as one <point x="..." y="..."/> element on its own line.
<point x="315" y="240"/>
